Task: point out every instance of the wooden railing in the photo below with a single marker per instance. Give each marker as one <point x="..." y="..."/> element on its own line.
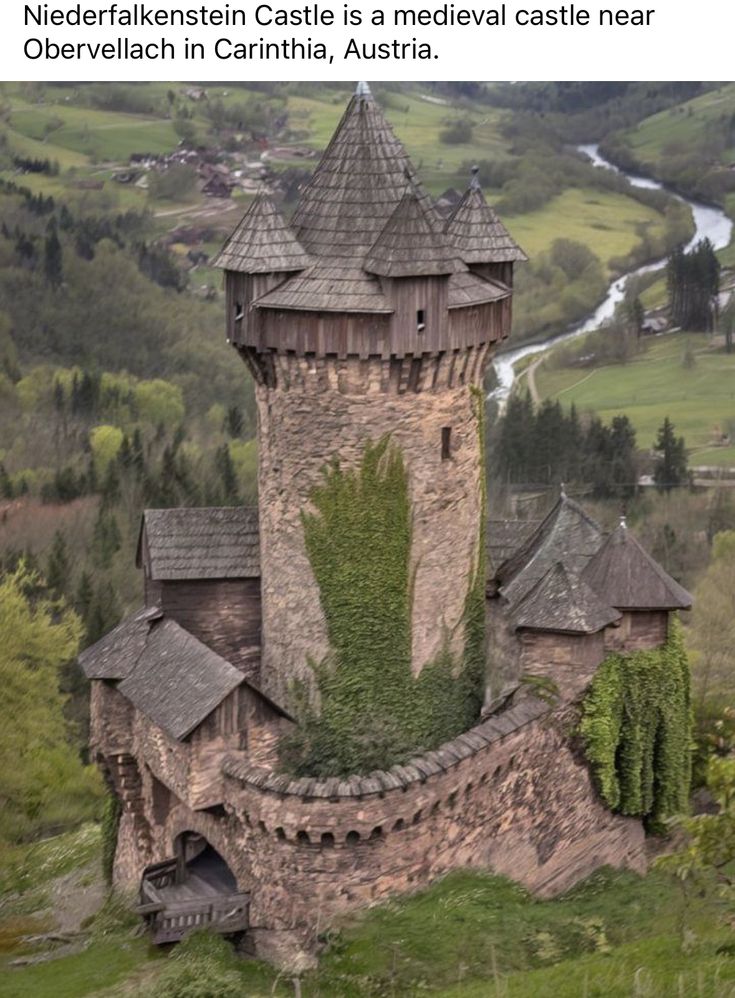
<point x="177" y="919"/>
<point x="171" y="920"/>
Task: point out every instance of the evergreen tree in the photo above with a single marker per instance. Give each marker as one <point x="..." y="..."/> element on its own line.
<point x="53" y="265"/>
<point x="104" y="613"/>
<point x="693" y="281"/>
<point x="227" y="475"/>
<point x="57" y="568"/>
<point x="6" y="486"/>
<point x="234" y="421"/>
<point x="106" y="538"/>
<point x="670" y="468"/>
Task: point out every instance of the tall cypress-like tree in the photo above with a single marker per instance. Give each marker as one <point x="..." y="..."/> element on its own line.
<point x="57" y="568"/>
<point x="53" y="263"/>
<point x="670" y="468"/>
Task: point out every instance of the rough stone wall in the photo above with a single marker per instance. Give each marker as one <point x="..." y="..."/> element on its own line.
<point x="568" y="660"/>
<point x="638" y="630"/>
<point x="503" y="655"/>
<point x="319" y="410"/>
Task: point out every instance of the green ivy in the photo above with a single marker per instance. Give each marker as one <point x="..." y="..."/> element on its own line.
<point x="370" y="712"/>
<point x="636" y="725"/>
<point x="109" y="827"/>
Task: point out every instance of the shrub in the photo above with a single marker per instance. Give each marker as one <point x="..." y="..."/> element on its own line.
<point x="457" y="132"/>
<point x="203" y="966"/>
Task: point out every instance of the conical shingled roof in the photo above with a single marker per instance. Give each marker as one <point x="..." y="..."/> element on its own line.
<point x="563" y="603"/>
<point x="478" y="234"/>
<point x="567" y="535"/>
<point x="412" y="244"/>
<point x="625" y="576"/>
<point x="360" y="179"/>
<point x="262" y="243"/>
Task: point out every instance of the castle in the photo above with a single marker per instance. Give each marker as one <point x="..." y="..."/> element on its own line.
<point x="367" y="324"/>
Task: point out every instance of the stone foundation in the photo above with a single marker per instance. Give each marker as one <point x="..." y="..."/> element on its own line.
<point x="510" y="796"/>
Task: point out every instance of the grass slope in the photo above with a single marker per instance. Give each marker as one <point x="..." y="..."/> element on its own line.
<point x="654" y="385"/>
<point x="469" y="935"/>
<point x="683" y="126"/>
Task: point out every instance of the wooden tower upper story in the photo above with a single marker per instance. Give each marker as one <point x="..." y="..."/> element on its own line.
<point x="368" y="267"/>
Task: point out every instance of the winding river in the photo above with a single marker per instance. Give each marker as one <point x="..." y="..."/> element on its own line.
<point x="709" y="222"/>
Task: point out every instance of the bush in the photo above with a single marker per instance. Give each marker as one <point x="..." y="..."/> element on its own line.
<point x="457" y="132"/>
<point x="203" y="966"/>
<point x="177" y="183"/>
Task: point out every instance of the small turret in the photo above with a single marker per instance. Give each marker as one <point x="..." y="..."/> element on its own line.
<point x="480" y="238"/>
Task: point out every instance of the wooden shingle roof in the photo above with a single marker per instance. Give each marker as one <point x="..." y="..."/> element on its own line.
<point x="209" y="543"/>
<point x="563" y="603"/>
<point x="567" y="535"/>
<point x="326" y="288"/>
<point x="262" y="243"/>
<point x="361" y="177"/>
<point x="505" y="537"/>
<point x="478" y="234"/>
<point x="115" y="655"/>
<point x="178" y="681"/>
<point x="625" y="576"/>
<point x="412" y="243"/>
<point x="466" y="289"/>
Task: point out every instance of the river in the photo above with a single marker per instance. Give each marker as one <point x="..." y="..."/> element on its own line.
<point x="709" y="222"/>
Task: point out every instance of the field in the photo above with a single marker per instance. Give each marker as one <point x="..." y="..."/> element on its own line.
<point x="608" y="223"/>
<point x="682" y="128"/>
<point x="471" y="935"/>
<point x="699" y="399"/>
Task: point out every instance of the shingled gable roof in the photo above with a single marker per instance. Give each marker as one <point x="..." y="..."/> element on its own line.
<point x="563" y="603"/>
<point x="478" y="234"/>
<point x="467" y="289"/>
<point x="328" y="288"/>
<point x="209" y="543"/>
<point x="625" y="576"/>
<point x="412" y="244"/>
<point x="178" y="681"/>
<point x="262" y="243"/>
<point x="567" y="534"/>
<point x="115" y="655"/>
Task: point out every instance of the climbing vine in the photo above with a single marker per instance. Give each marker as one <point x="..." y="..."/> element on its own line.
<point x="636" y="725"/>
<point x="370" y="712"/>
<point x="109" y="828"/>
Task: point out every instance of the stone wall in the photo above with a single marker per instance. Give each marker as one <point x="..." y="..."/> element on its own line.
<point x="320" y="410"/>
<point x="569" y="661"/>
<point x="638" y="630"/>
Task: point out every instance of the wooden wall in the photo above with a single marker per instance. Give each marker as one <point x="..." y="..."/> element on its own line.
<point x="223" y="613"/>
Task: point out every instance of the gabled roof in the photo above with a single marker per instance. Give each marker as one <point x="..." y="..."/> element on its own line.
<point x="262" y="243"/>
<point x="625" y="576"/>
<point x="326" y="288"/>
<point x="478" y="234"/>
<point x="208" y="543"/>
<point x="361" y="177"/>
<point x="562" y="602"/>
<point x="178" y="681"/>
<point x="412" y="244"/>
<point x="115" y="655"/>
<point x="567" y="535"/>
<point x="505" y="537"/>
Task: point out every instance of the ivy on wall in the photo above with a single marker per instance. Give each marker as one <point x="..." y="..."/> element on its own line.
<point x="370" y="712"/>
<point x="109" y="828"/>
<point x="636" y="725"/>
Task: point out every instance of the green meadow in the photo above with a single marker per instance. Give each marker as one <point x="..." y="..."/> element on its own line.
<point x="699" y="399"/>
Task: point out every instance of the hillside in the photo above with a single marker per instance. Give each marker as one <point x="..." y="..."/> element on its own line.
<point x="699" y="397"/>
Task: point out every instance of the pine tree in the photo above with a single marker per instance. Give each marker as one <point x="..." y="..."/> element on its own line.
<point x="228" y="477"/>
<point x="57" y="568"/>
<point x="670" y="468"/>
<point x="234" y="421"/>
<point x="53" y="265"/>
<point x="6" y="485"/>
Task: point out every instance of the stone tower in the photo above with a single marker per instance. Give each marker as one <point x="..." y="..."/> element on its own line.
<point x="370" y="314"/>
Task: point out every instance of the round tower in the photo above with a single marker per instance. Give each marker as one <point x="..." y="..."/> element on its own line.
<point x="362" y="321"/>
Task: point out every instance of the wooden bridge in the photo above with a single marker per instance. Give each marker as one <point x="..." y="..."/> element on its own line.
<point x="177" y="898"/>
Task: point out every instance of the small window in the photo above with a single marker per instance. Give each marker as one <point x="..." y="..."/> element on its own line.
<point x="239" y="313"/>
<point x="446" y="442"/>
<point x="420" y="320"/>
